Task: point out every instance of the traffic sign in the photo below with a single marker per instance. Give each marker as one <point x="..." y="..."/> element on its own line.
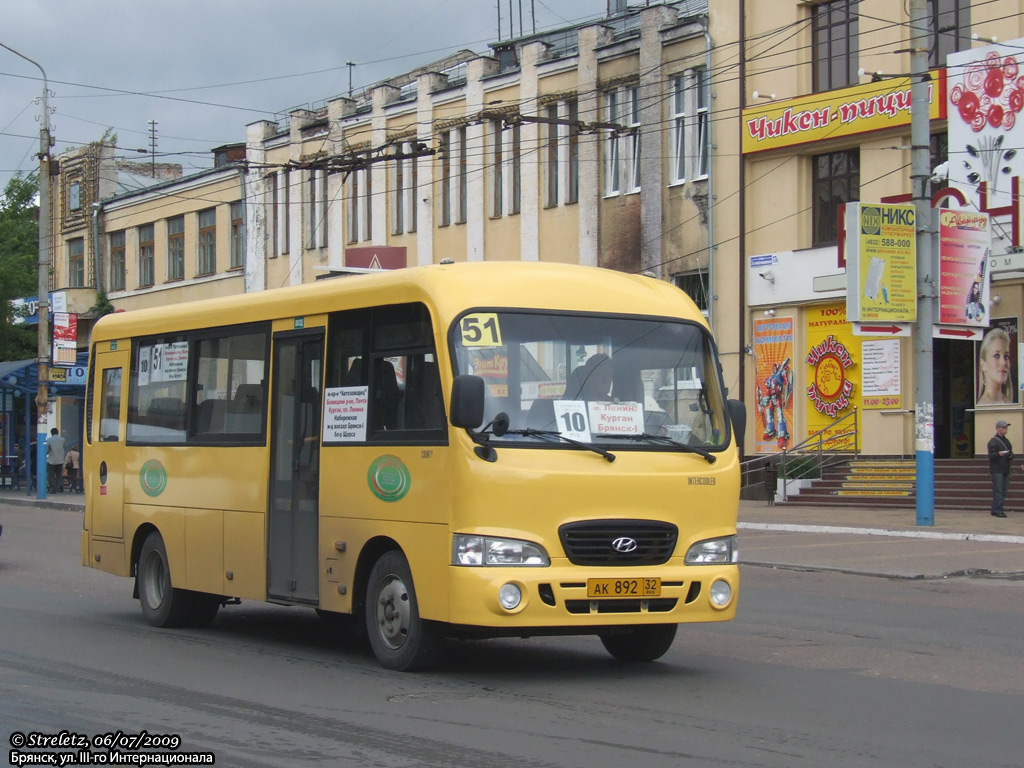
<point x="882" y="329"/>
<point x="957" y="332"/>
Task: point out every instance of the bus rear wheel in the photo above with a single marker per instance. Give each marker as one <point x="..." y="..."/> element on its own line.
<point x="644" y="643"/>
<point x="163" y="604"/>
<point x="400" y="639"/>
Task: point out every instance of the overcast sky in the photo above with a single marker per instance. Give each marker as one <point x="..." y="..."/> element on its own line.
<point x="204" y="69"/>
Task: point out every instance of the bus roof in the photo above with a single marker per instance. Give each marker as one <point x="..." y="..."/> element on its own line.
<point x="447" y="288"/>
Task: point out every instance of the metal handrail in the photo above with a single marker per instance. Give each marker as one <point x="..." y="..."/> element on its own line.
<point x="836" y="438"/>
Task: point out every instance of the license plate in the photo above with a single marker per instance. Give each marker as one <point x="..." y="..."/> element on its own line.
<point x="647" y="587"/>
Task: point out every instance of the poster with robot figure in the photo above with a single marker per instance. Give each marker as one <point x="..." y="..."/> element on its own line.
<point x="773" y="355"/>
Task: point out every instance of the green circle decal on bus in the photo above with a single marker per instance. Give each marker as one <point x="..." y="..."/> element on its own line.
<point x="153" y="477"/>
<point x="388" y="478"/>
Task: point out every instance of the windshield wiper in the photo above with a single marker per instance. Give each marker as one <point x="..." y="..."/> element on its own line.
<point x="662" y="440"/>
<point x="552" y="433"/>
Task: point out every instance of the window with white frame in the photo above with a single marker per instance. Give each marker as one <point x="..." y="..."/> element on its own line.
<point x="632" y="119"/>
<point x="702" y="148"/>
<point x="694" y="285"/>
<point x="321" y="226"/>
<point x="690" y="126"/>
<point x="678" y="128"/>
<point x="612" y="142"/>
<point x="463" y="176"/>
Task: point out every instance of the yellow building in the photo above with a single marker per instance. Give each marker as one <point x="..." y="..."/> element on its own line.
<point x="826" y="121"/>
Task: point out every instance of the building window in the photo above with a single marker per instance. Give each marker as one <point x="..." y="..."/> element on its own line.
<point x="678" y="128"/>
<point x="836" y="181"/>
<point x="702" y="94"/>
<point x="517" y="169"/>
<point x="145" y="255"/>
<point x="237" y="234"/>
<point x="285" y="214"/>
<point x="403" y="189"/>
<point x="497" y="168"/>
<point x="551" y="155"/>
<point x="176" y="248"/>
<point x="572" y="194"/>
<point x="694" y="285"/>
<point x="949" y="24"/>
<point x="273" y="215"/>
<point x="834" y="30"/>
<point x="207" y="263"/>
<point x="611" y="145"/>
<point x="463" y="203"/>
<point x="76" y="263"/>
<point x="357" y="205"/>
<point x="454" y="176"/>
<point x="316" y="209"/>
<point x="632" y="117"/>
<point x="75" y="196"/>
<point x="117" y="261"/>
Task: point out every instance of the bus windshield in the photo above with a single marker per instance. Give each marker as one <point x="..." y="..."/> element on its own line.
<point x="619" y="381"/>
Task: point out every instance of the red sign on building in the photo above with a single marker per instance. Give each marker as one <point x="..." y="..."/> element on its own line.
<point x="376" y="257"/>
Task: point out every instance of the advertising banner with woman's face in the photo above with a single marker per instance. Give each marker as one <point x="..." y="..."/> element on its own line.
<point x="996" y="367"/>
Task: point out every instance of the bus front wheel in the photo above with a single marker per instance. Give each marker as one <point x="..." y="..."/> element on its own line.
<point x="643" y="643"/>
<point x="400" y="639"/>
<point x="163" y="604"/>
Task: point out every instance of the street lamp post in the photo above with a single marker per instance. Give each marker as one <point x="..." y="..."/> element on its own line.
<point x="43" y="350"/>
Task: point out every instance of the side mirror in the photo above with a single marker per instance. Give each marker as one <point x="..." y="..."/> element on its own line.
<point x="738" y="417"/>
<point x="467" y="407"/>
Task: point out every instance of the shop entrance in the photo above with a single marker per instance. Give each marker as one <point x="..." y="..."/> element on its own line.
<point x="953" y="383"/>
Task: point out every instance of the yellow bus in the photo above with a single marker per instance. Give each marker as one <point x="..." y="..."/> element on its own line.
<point x="455" y="450"/>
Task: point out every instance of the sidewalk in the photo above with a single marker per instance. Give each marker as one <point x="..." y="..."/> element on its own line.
<point x="882" y="542"/>
<point x="862" y="540"/>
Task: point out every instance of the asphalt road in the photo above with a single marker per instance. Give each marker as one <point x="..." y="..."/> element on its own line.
<point x="819" y="669"/>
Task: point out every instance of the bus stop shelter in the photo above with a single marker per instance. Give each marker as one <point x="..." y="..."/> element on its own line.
<point x="20" y="379"/>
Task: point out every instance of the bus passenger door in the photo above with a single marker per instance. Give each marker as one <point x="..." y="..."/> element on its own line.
<point x="294" y="524"/>
<point x="105" y="456"/>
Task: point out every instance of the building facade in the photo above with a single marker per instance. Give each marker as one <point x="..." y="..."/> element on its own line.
<point x="826" y="123"/>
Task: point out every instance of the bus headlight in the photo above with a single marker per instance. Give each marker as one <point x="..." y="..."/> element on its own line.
<point x="490" y="550"/>
<point x="713" y="552"/>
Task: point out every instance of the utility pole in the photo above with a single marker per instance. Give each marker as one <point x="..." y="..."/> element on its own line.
<point x="920" y="172"/>
<point x="43" y="350"/>
<point x="152" y="148"/>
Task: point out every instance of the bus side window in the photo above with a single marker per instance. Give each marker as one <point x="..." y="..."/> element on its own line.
<point x="110" y="406"/>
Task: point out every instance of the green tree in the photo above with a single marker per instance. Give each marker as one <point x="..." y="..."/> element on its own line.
<point x="19" y="253"/>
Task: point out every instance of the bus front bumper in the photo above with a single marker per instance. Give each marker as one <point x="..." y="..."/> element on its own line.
<point x="567" y="598"/>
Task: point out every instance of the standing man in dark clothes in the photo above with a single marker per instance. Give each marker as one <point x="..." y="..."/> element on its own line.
<point x="1000" y="454"/>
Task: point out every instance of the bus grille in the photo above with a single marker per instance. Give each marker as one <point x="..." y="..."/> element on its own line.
<point x="591" y="542"/>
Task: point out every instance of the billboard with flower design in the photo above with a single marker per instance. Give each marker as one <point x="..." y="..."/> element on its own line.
<point x="986" y="131"/>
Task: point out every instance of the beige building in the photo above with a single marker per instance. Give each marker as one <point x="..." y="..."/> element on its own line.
<point x="602" y="144"/>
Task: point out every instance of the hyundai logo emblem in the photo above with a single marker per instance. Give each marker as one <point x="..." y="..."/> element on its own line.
<point x="624" y="544"/>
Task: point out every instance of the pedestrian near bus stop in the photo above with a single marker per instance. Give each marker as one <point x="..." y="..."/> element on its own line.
<point x="55" y="462"/>
<point x="1000" y="454"/>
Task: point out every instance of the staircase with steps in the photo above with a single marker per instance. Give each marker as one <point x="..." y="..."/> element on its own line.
<point x="891" y="482"/>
